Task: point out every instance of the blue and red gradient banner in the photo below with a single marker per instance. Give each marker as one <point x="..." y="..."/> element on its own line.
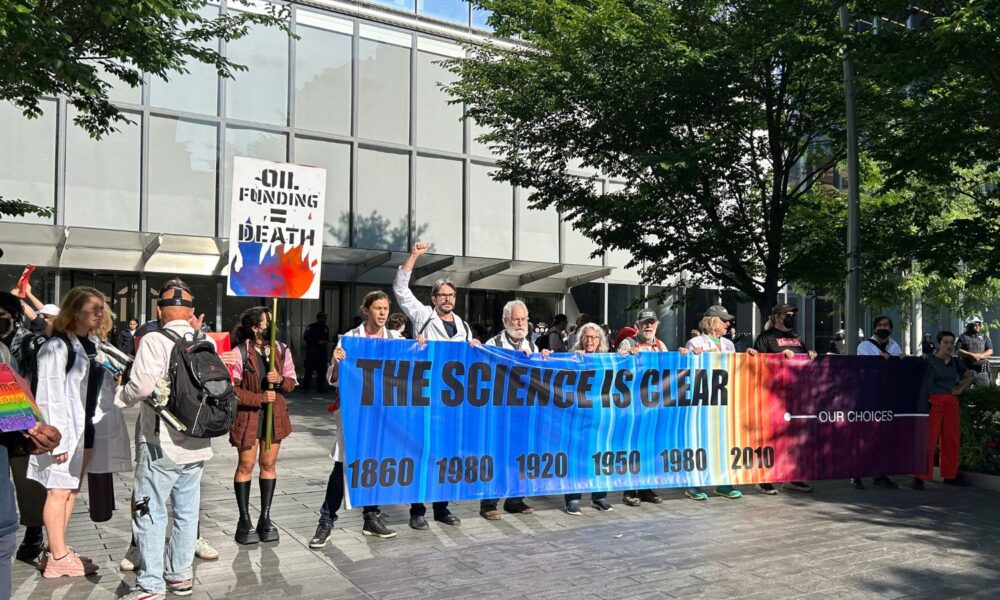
<point x="448" y="421"/>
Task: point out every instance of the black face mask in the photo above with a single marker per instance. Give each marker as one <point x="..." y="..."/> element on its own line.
<point x="788" y="321"/>
<point x="882" y="334"/>
<point x="6" y="326"/>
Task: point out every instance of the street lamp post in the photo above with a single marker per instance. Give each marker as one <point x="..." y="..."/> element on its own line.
<point x="852" y="308"/>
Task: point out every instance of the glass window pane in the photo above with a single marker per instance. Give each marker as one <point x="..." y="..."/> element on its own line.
<point x="438" y="208"/>
<point x="102" y="177"/>
<point x="384" y="85"/>
<point x="620" y="299"/>
<point x="336" y="159"/>
<point x="439" y="123"/>
<point x="406" y="5"/>
<point x="260" y="93"/>
<point x="28" y="156"/>
<point x="577" y="246"/>
<point x="182" y="161"/>
<point x="323" y="73"/>
<point x="252" y="143"/>
<point x="118" y="90"/>
<point x="537" y="232"/>
<point x="479" y="16"/>
<point x="382" y="220"/>
<point x="476" y="147"/>
<point x="196" y="91"/>
<point x="453" y="11"/>
<point x="491" y="215"/>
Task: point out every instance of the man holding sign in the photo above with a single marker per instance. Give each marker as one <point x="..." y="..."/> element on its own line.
<point x="436" y="322"/>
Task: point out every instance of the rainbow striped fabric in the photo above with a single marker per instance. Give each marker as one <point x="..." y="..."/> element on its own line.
<point x="18" y="410"/>
<point x="448" y="421"/>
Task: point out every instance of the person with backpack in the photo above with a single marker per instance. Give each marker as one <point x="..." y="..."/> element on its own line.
<point x="375" y="308"/>
<point x="170" y="462"/>
<point x="256" y="386"/>
<point x="67" y="386"/>
<point x="879" y="344"/>
<point x="437" y="322"/>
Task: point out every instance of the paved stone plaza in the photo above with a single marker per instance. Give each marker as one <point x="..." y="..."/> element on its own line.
<point x="834" y="543"/>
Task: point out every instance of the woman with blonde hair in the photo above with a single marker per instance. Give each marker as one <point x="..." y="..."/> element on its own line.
<point x="590" y="339"/>
<point x="69" y="383"/>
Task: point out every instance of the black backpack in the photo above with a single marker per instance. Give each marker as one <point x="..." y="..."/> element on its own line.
<point x="28" y="361"/>
<point x="201" y="393"/>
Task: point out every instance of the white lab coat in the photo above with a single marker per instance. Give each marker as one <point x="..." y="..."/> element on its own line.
<point x="424" y="317"/>
<point x="337" y="453"/>
<point x="705" y="344"/>
<point x="60" y="397"/>
<point x="112" y="452"/>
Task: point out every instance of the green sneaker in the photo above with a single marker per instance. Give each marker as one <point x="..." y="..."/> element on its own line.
<point x="727" y="491"/>
<point x="696" y="494"/>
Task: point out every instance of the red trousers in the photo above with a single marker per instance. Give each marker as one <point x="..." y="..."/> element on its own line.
<point x="943" y="420"/>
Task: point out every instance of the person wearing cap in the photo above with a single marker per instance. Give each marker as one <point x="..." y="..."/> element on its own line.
<point x="644" y="340"/>
<point x="779" y="337"/>
<point x="712" y="338"/>
<point x="879" y="344"/>
<point x="316" y="339"/>
<point x="838" y="345"/>
<point x="974" y="348"/>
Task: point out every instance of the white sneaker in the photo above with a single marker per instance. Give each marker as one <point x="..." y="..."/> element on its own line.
<point x="205" y="551"/>
<point x="131" y="558"/>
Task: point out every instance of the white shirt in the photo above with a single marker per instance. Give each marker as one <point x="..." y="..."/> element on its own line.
<point x="502" y="340"/>
<point x="425" y="319"/>
<point x="152" y="359"/>
<point x="705" y="344"/>
<point x="868" y="348"/>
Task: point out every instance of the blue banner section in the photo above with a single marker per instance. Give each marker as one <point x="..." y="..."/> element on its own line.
<point x="447" y="421"/>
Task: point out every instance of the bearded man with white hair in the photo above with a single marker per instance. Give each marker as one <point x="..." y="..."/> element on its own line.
<point x="513" y="337"/>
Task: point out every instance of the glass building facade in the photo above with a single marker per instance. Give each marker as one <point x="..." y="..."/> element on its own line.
<point x="358" y="93"/>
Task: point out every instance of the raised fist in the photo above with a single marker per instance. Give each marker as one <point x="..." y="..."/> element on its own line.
<point x="420" y="248"/>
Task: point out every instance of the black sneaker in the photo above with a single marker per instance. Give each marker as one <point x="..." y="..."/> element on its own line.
<point x="31" y="545"/>
<point x="918" y="484"/>
<point x="573" y="508"/>
<point x="631" y="499"/>
<point x="375" y="527"/>
<point x="602" y="505"/>
<point x="447" y="518"/>
<point x="322" y="536"/>
<point x="517" y="506"/>
<point x="649" y="496"/>
<point x="418" y="522"/>
<point x="885" y="482"/>
<point x="857" y="484"/>
<point x="767" y="488"/>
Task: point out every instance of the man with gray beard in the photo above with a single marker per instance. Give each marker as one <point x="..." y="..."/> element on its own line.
<point x="513" y="337"/>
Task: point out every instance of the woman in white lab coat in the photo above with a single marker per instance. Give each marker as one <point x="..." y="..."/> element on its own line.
<point x="62" y="397"/>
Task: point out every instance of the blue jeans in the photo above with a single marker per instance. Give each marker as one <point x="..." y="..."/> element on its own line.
<point x="157" y="478"/>
<point x="7" y="544"/>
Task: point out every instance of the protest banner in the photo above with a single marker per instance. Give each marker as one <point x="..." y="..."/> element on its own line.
<point x="276" y="229"/>
<point x="448" y="421"/>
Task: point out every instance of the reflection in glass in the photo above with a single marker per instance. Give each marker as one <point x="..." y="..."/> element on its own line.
<point x="439" y="123"/>
<point x="336" y="159"/>
<point x="195" y="91"/>
<point x="479" y="17"/>
<point x="406" y="5"/>
<point x="323" y="80"/>
<point x="438" y="206"/>
<point x="453" y="11"/>
<point x="382" y="220"/>
<point x="537" y="232"/>
<point x="252" y="143"/>
<point x="182" y="163"/>
<point x="384" y="92"/>
<point x="491" y="215"/>
<point x="28" y="156"/>
<point x="260" y="93"/>
<point x="102" y="177"/>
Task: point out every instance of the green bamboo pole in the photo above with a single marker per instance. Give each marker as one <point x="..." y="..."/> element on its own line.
<point x="269" y="409"/>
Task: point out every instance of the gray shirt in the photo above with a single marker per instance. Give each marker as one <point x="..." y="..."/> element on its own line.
<point x="944" y="375"/>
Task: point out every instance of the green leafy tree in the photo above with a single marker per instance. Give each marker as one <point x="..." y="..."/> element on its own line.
<point x="721" y="116"/>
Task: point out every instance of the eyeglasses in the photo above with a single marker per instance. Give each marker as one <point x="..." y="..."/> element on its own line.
<point x="445" y="296"/>
<point x="590" y="337"/>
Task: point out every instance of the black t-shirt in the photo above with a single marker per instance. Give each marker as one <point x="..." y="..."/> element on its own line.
<point x="775" y="341"/>
<point x="450" y="327"/>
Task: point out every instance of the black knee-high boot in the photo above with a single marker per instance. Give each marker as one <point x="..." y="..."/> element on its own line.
<point x="245" y="533"/>
<point x="265" y="528"/>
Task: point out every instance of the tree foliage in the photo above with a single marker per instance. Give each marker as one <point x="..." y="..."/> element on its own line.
<point x="64" y="47"/>
<point x="720" y="116"/>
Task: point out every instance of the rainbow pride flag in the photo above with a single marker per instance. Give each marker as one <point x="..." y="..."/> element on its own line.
<point x="18" y="410"/>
